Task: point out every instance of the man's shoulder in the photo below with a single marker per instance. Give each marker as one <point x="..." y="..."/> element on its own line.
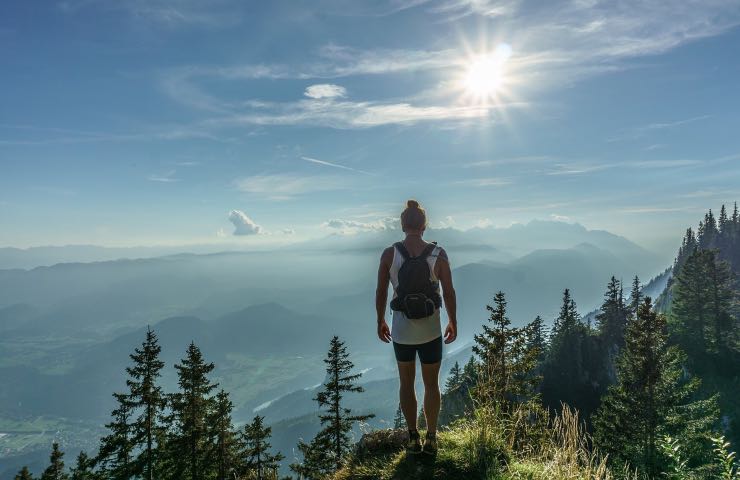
<point x="441" y="253"/>
<point x="387" y="253"/>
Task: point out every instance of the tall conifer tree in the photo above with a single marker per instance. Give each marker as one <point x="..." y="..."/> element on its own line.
<point x="23" y="474"/>
<point x="191" y="407"/>
<point x="115" y="453"/>
<point x="635" y="296"/>
<point x="259" y="461"/>
<point x="573" y="370"/>
<point x="701" y="306"/>
<point x="326" y="451"/>
<point x="55" y="470"/>
<point x="146" y="395"/>
<point x="505" y="362"/>
<point x="537" y="337"/>
<point x="454" y="379"/>
<point x="83" y="469"/>
<point x="650" y="399"/>
<point x="612" y="316"/>
<point x="225" y="440"/>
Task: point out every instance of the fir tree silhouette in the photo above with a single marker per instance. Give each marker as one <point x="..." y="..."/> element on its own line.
<point x="505" y="361"/>
<point x="147" y="395"/>
<point x="83" y="469"/>
<point x="651" y="398"/>
<point x="116" y="448"/>
<point x="225" y="440"/>
<point x="325" y="453"/>
<point x="259" y="462"/>
<point x="191" y="407"/>
<point x="55" y="470"/>
<point x="23" y="474"/>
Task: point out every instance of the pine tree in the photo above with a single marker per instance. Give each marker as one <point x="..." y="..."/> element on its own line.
<point x="258" y="461"/>
<point x="116" y="448"/>
<point x="612" y="317"/>
<point x="399" y="421"/>
<point x="537" y="338"/>
<point x="688" y="246"/>
<point x="650" y="399"/>
<point x="723" y="221"/>
<point x="191" y="407"/>
<point x="701" y="307"/>
<point x="147" y="395"/>
<point x="83" y="469"/>
<point x="573" y="371"/>
<point x="454" y="379"/>
<point x="470" y="374"/>
<point x="326" y="451"/>
<point x="635" y="296"/>
<point x="24" y="474"/>
<point x="457" y="400"/>
<point x="55" y="470"/>
<point x="225" y="441"/>
<point x="421" y="419"/>
<point x="505" y="361"/>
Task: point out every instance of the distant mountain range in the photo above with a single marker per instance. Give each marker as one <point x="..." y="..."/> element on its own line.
<point x="506" y="243"/>
<point x="265" y="318"/>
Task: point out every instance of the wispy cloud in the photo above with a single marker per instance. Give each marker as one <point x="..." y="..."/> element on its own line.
<point x="663" y="163"/>
<point x="39" y="136"/>
<point x="653" y="209"/>
<point x="484" y="182"/>
<point x="508" y="161"/>
<point x="354" y="115"/>
<point x="578" y="169"/>
<point x="284" y="186"/>
<point x="167" y="177"/>
<point x="643" y="130"/>
<point x="165" y="13"/>
<point x="335" y="165"/>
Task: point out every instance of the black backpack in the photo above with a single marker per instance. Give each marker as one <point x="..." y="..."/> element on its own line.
<point x="416" y="295"/>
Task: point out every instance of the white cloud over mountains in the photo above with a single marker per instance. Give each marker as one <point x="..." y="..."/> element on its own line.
<point x="354" y="226"/>
<point x="243" y="225"/>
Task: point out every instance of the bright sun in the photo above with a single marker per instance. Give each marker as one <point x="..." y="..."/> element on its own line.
<point x="486" y="73"/>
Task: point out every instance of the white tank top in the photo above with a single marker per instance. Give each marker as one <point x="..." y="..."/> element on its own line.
<point x="420" y="330"/>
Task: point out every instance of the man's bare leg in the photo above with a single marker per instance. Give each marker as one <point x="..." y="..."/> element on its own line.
<point x="432" y="396"/>
<point x="407" y="394"/>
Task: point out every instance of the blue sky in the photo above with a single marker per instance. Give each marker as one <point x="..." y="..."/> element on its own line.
<point x="136" y="122"/>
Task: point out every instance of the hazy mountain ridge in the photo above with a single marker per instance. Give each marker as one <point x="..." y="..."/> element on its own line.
<point x="88" y="317"/>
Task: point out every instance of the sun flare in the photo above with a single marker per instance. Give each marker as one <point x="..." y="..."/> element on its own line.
<point x="486" y="73"/>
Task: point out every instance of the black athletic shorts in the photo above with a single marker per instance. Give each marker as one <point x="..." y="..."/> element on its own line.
<point x="430" y="352"/>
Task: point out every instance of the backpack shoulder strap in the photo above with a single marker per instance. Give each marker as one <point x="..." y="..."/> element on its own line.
<point x="402" y="250"/>
<point x="428" y="250"/>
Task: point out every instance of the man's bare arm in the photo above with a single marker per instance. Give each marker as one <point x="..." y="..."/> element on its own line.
<point x="444" y="274"/>
<point x="381" y="293"/>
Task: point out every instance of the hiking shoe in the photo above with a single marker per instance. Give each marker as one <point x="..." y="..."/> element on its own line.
<point x="430" y="444"/>
<point x="413" y="446"/>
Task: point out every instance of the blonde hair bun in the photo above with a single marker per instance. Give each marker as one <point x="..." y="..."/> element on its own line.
<point x="413" y="217"/>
